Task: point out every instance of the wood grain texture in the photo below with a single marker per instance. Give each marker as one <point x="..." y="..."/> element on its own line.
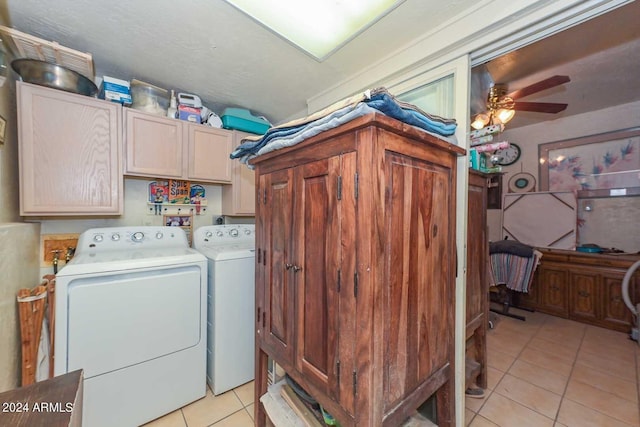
<point x="70" y="153"/>
<point x="477" y="290"/>
<point x="586" y="287"/>
<point x="372" y="207"/>
<point x="56" y="402"/>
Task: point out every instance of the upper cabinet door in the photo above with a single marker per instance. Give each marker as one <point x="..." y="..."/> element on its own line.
<point x="239" y="198"/>
<point x="70" y="155"/>
<point x="154" y="145"/>
<point x="209" y="150"/>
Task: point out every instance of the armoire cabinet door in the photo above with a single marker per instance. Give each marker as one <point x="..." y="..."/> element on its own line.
<point x="323" y="270"/>
<point x="70" y="153"/>
<point x="276" y="213"/>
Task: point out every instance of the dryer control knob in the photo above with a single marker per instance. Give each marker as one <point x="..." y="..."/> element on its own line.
<point x="137" y="236"/>
<point x="219" y="234"/>
<point x="247" y="231"/>
<point x="208" y="234"/>
<point x="233" y="232"/>
<point x="115" y="237"/>
<point x="159" y="235"/>
<point x="98" y="238"/>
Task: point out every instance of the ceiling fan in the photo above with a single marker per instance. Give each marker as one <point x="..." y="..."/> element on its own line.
<point x="501" y="106"/>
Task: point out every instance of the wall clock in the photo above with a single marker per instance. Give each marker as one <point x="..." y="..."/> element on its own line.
<point x="509" y="155"/>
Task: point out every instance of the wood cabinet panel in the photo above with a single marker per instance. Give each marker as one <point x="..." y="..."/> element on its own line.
<point x="592" y="287"/>
<point x="553" y="285"/>
<point x="278" y="303"/>
<point x="614" y="311"/>
<point x="477" y="305"/>
<point x="155" y="145"/>
<point x="239" y="198"/>
<point x="69" y="153"/>
<point x="208" y="154"/>
<point x="584" y="295"/>
<point x="159" y="147"/>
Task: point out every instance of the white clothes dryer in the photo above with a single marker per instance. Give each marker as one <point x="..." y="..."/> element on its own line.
<point x="230" y="250"/>
<point x="131" y="312"/>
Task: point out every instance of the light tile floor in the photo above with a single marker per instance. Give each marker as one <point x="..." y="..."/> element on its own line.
<point x="548" y="371"/>
<point x="545" y="371"/>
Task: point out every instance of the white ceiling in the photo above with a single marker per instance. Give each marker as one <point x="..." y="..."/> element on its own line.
<point x="213" y="50"/>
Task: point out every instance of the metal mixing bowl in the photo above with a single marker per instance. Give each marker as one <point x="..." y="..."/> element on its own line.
<point x="52" y="75"/>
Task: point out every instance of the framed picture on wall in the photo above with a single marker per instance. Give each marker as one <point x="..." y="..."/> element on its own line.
<point x="596" y="162"/>
<point x="183" y="221"/>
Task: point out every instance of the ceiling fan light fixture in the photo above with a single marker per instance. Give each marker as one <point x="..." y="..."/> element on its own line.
<point x="503" y="115"/>
<point x="480" y="121"/>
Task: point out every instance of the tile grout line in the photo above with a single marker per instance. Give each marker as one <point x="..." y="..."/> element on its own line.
<point x="573" y="365"/>
<point x="486" y="399"/>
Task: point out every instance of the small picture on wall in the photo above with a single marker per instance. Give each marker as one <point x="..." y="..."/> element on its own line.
<point x="183" y="221"/>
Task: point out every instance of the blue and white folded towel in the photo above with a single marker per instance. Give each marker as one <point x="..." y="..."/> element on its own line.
<point x="376" y="100"/>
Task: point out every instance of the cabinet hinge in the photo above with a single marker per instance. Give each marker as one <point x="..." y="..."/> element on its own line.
<point x="339" y="187"/>
<point x="355" y="382"/>
<point x="259" y="256"/>
<point x="355" y="182"/>
<point x="355" y="284"/>
<point x="338" y="371"/>
<point x="264" y="196"/>
<point x="339" y="279"/>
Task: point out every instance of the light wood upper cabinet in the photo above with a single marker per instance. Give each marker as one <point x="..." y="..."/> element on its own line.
<point x="208" y="156"/>
<point x="69" y="153"/>
<point x="160" y="147"/>
<point x="239" y="198"/>
<point x="155" y="145"/>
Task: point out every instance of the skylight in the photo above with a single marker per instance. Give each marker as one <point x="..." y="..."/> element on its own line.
<point x="319" y="27"/>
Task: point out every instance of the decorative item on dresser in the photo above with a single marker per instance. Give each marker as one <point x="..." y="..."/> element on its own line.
<point x="356" y="263"/>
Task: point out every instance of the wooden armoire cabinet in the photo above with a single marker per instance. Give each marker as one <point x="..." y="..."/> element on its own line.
<point x="477" y="305"/>
<point x="356" y="263"/>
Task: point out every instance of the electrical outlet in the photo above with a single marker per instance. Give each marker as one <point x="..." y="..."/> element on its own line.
<point x="57" y="242"/>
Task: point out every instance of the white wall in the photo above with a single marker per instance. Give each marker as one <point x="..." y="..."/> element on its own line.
<point x="529" y="137"/>
<point x="18" y="245"/>
<point x="136" y="212"/>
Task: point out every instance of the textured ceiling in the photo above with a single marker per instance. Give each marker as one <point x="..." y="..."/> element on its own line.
<point x="211" y="49"/>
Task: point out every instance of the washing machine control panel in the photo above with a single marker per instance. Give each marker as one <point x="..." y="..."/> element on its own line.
<point x="224" y="234"/>
<point x="113" y="238"/>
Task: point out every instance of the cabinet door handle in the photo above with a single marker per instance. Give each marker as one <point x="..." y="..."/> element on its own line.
<point x="296" y="268"/>
<point x="288" y="266"/>
<point x="583" y="293"/>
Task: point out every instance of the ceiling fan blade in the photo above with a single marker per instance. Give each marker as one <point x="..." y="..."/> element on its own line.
<point x="540" y="86"/>
<point x="540" y="107"/>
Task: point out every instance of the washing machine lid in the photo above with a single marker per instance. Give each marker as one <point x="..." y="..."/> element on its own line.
<point x="94" y="262"/>
<point x="229" y="252"/>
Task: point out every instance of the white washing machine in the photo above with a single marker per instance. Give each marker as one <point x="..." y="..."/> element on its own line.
<point x="131" y="312"/>
<point x="230" y="250"/>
